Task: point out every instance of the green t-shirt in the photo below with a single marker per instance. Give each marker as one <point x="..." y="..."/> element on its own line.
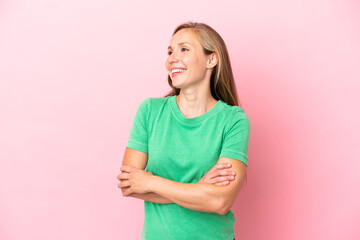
<point x="184" y="150"/>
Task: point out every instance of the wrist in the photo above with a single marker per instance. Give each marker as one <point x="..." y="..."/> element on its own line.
<point x="151" y="182"/>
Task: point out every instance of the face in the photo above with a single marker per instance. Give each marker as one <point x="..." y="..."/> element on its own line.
<point x="186" y="53"/>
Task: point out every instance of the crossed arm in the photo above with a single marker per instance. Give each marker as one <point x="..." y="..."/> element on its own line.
<point x="199" y="196"/>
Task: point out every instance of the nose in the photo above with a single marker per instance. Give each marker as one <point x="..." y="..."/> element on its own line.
<point x="173" y="57"/>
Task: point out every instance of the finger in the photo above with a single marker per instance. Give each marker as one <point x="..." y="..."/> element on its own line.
<point x="221" y="166"/>
<point x="225" y="165"/>
<point x="210" y="180"/>
<point x="216" y="167"/>
<point x="224" y="178"/>
<point x="127" y="192"/>
<point x="221" y="178"/>
<point x="124" y="184"/>
<point x="124" y="189"/>
<point x="123" y="175"/>
<point x="213" y="171"/>
<point x="125" y="168"/>
<point x="222" y="173"/>
<point x="226" y="172"/>
<point x="222" y="183"/>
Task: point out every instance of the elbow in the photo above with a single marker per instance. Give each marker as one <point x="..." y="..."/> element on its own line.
<point x="223" y="207"/>
<point x="216" y="201"/>
<point x="223" y="211"/>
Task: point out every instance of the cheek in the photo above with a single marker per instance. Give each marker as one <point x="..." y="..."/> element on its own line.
<point x="167" y="65"/>
<point x="187" y="60"/>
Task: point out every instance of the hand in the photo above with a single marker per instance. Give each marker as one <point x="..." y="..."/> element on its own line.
<point x="217" y="176"/>
<point x="133" y="180"/>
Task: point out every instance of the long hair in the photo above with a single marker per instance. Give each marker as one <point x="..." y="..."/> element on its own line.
<point x="222" y="84"/>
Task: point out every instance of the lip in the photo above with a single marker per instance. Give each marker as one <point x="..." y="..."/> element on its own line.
<point x="177" y="73"/>
<point x="176" y="68"/>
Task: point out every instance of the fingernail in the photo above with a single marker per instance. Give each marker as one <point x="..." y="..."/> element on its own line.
<point x="228" y="164"/>
<point x="233" y="173"/>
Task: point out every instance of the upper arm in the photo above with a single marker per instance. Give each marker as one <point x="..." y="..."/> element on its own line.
<point x="136" y="151"/>
<point x="139" y="132"/>
<point x="235" y="151"/>
<point x="135" y="158"/>
<point x="229" y="192"/>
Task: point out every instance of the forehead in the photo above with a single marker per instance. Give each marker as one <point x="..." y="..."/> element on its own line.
<point x="184" y="36"/>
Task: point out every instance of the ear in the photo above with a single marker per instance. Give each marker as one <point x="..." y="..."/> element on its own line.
<point x="213" y="60"/>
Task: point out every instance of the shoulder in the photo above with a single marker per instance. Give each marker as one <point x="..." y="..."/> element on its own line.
<point x="236" y="116"/>
<point x="151" y="104"/>
<point x="234" y="112"/>
<point x="144" y="104"/>
<point x="151" y="101"/>
<point x="155" y="102"/>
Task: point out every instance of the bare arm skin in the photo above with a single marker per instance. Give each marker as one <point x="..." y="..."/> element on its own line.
<point x="138" y="159"/>
<point x="216" y="175"/>
<point x="202" y="197"/>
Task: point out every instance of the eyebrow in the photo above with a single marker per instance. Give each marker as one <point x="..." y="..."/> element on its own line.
<point x="182" y="43"/>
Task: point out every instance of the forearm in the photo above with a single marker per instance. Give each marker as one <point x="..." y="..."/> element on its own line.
<point x="201" y="197"/>
<point x="151" y="197"/>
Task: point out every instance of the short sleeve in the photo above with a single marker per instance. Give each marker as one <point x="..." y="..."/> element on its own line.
<point x="138" y="138"/>
<point x="236" y="140"/>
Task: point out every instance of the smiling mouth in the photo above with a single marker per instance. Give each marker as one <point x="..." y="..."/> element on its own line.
<point x="177" y="73"/>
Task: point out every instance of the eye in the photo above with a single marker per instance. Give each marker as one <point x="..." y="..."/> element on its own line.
<point x="169" y="52"/>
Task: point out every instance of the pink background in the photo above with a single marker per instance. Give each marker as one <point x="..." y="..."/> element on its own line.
<point x="72" y="74"/>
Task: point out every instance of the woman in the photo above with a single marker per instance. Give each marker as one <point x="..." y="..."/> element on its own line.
<point x="185" y="140"/>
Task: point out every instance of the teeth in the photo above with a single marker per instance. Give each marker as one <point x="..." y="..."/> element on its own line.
<point x="178" y="70"/>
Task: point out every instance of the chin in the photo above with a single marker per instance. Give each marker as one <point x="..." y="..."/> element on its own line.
<point x="176" y="83"/>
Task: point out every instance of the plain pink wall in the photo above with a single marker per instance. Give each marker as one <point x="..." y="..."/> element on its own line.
<point x="72" y="74"/>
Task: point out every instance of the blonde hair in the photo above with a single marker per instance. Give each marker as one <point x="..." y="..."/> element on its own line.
<point x="222" y="84"/>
